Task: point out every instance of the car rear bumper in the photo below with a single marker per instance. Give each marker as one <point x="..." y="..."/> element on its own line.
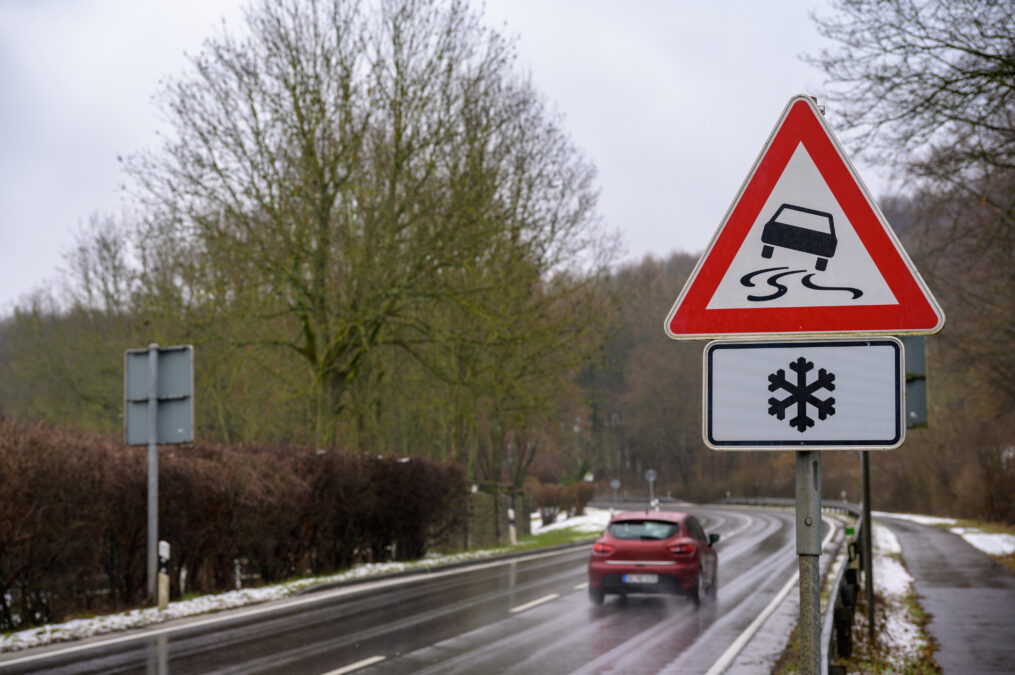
<point x="672" y="578"/>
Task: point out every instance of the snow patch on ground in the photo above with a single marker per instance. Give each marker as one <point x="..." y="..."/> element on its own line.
<point x="139" y="618"/>
<point x="890" y="576"/>
<point x="593" y="521"/>
<point x="988" y="542"/>
<point x="891" y="580"/>
<point x="992" y="544"/>
<point x="916" y="518"/>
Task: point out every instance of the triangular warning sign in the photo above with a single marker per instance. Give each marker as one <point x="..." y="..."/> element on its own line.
<point x="803" y="250"/>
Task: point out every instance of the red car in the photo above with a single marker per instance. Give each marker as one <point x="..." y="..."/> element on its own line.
<point x="658" y="552"/>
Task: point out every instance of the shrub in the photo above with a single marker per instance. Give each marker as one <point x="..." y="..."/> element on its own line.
<point x="73" y="516"/>
<point x="546" y="498"/>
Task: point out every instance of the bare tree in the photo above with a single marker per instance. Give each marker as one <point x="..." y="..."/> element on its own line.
<point x="928" y="87"/>
<point x="346" y="172"/>
<point x="99" y="268"/>
<point x="926" y="84"/>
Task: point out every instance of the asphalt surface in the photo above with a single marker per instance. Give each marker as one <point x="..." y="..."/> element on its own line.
<point x="529" y="615"/>
<point x="969" y="596"/>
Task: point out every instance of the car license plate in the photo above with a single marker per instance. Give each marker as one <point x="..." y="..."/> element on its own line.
<point x="641" y="578"/>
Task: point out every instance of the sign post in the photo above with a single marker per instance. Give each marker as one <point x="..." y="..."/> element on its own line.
<point x="650" y="476"/>
<point x="804" y="253"/>
<point x="808" y="549"/>
<point x="153" y="468"/>
<point x="158" y="408"/>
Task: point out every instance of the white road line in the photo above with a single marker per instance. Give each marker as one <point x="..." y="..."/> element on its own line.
<point x="534" y="603"/>
<point x="356" y="666"/>
<point x="581" y="586"/>
<point x="729" y="535"/>
<point x="731" y="652"/>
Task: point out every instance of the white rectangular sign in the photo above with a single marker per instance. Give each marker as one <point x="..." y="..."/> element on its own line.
<point x="804" y="394"/>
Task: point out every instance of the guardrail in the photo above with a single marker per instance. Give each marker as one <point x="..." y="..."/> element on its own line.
<point x="837" y="621"/>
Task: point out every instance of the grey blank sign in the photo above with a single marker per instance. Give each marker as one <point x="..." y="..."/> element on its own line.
<point x="174" y="395"/>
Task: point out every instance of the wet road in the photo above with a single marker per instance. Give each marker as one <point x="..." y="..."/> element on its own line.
<point x="530" y="615"/>
<point x="970" y="598"/>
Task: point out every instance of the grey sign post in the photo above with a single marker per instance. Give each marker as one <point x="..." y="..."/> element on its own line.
<point x="158" y="408"/>
<point x="650" y="476"/>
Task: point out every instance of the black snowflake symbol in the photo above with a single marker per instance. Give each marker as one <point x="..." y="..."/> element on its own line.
<point x="801" y="394"/>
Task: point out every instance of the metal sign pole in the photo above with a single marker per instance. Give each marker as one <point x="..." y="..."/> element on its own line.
<point x="808" y="548"/>
<point x="868" y="552"/>
<point x="153" y="468"/>
<point x="650" y="476"/>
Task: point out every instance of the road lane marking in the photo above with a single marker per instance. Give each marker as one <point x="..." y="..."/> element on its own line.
<point x="729" y="535"/>
<point x="582" y="586"/>
<point x="356" y="666"/>
<point x="535" y="603"/>
<point x="731" y="652"/>
<point x="734" y="649"/>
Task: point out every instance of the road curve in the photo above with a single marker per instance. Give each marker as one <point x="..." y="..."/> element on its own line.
<point x="522" y="616"/>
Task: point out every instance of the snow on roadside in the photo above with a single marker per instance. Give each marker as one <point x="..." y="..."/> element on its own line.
<point x="916" y="518"/>
<point x="992" y="544"/>
<point x="901" y="633"/>
<point x="140" y="618"/>
<point x="890" y="577"/>
<point x="988" y="542"/>
<point x="593" y="521"/>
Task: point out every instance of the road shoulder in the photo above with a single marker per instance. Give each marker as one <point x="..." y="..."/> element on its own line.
<point x="761" y="653"/>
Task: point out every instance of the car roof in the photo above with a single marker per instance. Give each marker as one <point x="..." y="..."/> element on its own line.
<point x="672" y="516"/>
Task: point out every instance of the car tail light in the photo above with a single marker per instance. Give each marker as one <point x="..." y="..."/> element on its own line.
<point x="600" y="547"/>
<point x="682" y="549"/>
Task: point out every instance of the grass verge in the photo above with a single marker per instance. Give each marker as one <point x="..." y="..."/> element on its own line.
<point x="877" y="654"/>
<point x="899" y="642"/>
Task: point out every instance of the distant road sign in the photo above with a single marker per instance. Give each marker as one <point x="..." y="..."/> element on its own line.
<point x="804" y="395"/>
<point x="803" y="250"/>
<point x="175" y="395"/>
<point x="650" y="475"/>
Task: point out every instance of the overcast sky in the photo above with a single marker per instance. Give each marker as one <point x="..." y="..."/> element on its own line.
<point x="671" y="100"/>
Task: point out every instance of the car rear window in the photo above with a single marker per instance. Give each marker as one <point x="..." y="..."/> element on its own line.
<point x="645" y="530"/>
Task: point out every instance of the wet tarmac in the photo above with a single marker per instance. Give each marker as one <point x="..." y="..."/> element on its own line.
<point x="525" y="616"/>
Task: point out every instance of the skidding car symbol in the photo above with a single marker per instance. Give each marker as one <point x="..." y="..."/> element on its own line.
<point x="801" y="229"/>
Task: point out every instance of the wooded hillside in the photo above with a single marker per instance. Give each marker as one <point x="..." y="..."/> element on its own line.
<point x="377" y="237"/>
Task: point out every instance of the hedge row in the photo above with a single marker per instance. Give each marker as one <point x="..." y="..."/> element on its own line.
<point x="73" y="516"/>
<point x="552" y="499"/>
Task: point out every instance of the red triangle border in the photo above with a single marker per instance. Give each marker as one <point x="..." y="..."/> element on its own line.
<point x="916" y="311"/>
